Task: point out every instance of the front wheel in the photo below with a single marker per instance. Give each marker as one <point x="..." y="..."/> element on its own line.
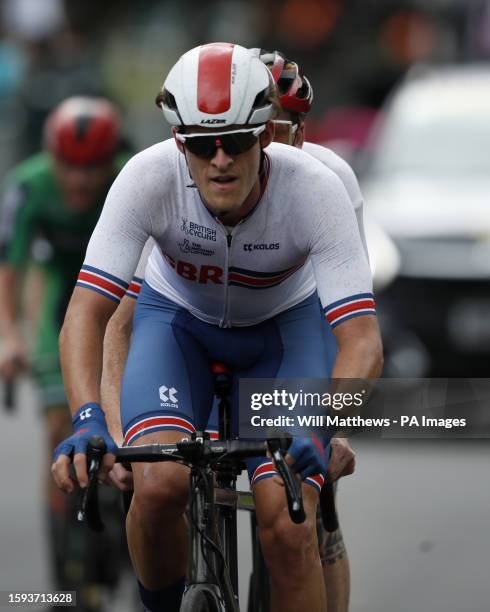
<point x="197" y="599"/>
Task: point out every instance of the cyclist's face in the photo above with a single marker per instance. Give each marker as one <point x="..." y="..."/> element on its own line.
<point x="83" y="186"/>
<point x="227" y="182"/>
<point x="286" y="132"/>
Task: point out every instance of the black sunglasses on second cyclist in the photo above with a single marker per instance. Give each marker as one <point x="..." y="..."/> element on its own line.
<point x="232" y="143"/>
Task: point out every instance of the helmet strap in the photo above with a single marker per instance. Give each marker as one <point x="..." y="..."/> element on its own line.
<point x="262" y="163"/>
<point x="192" y="184"/>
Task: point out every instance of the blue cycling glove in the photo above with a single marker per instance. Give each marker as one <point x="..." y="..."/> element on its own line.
<point x="87" y="422"/>
<point x="310" y="456"/>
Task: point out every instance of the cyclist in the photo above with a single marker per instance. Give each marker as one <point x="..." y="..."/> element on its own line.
<point x="295" y="95"/>
<point x="213" y="201"/>
<point x="51" y="204"/>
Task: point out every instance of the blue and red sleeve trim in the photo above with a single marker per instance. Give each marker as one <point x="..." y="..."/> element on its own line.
<point x="350" y="307"/>
<point x="106" y="284"/>
<point x="134" y="287"/>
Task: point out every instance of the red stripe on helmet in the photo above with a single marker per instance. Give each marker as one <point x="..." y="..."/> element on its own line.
<point x="294" y="104"/>
<point x="214" y="78"/>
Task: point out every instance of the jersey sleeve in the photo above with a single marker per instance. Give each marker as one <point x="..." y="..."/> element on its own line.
<point x="346" y="174"/>
<point x="139" y="274"/>
<point x="340" y="264"/>
<point x="360" y="224"/>
<point x="17" y="224"/>
<point x="120" y="234"/>
<point x="351" y="184"/>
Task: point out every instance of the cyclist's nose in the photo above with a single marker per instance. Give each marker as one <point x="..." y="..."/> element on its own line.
<point x="221" y="159"/>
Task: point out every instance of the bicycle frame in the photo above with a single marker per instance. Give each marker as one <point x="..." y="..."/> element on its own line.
<point x="204" y="562"/>
<point x="212" y="512"/>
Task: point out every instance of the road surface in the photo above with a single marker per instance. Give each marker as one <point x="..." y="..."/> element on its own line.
<point x="415" y="516"/>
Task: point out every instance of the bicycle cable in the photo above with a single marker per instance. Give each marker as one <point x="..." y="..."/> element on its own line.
<point x="205" y="538"/>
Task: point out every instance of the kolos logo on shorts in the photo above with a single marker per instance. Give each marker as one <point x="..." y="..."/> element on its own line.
<point x="168" y="396"/>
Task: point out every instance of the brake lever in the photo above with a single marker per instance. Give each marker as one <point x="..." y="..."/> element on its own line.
<point x="89" y="510"/>
<point x="294" y="497"/>
<point x="327" y="506"/>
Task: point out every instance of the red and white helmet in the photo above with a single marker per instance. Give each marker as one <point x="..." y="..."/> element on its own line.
<point x="217" y="85"/>
<point x="295" y="91"/>
<point x="83" y="131"/>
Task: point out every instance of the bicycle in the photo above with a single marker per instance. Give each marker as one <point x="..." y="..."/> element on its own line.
<point x="212" y="574"/>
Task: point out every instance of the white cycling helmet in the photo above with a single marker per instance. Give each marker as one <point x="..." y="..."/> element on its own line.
<point x="216" y="86"/>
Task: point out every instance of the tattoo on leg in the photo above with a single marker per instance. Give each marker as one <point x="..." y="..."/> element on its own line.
<point x="332" y="548"/>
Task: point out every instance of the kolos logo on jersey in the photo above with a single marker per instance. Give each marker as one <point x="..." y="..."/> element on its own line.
<point x="273" y="246"/>
<point x="168" y="396"/>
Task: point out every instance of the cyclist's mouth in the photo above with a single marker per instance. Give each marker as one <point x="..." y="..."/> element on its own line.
<point x="224" y="181"/>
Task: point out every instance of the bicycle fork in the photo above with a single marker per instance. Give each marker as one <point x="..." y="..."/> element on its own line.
<point x="206" y="564"/>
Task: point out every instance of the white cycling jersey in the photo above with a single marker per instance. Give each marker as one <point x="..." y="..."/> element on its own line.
<point x="302" y="236"/>
<point x="331" y="160"/>
<point x="334" y="162"/>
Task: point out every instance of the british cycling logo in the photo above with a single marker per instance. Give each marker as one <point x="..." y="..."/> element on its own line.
<point x="168" y="396"/>
<point x="193" y="247"/>
<point x="249" y="247"/>
<point x="197" y="231"/>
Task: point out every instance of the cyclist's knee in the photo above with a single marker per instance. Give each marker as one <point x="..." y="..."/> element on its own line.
<point x="287" y="543"/>
<point x="161" y="492"/>
<point x="289" y="549"/>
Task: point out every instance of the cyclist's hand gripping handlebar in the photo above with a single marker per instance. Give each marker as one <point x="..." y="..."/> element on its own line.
<point x="89" y="504"/>
<point x="178" y="452"/>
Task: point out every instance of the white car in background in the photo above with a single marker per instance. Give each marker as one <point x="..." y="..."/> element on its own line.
<point x="427" y="183"/>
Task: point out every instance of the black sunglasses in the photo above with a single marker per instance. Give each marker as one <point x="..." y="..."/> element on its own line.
<point x="232" y="143"/>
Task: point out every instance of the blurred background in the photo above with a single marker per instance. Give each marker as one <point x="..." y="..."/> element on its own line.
<point x="356" y="53"/>
<point x="402" y="92"/>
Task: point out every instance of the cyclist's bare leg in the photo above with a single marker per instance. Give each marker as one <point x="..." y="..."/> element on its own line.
<point x="290" y="551"/>
<point x="156" y="529"/>
<point x="336" y="570"/>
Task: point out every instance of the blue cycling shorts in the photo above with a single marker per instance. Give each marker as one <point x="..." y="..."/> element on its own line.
<point x="168" y="383"/>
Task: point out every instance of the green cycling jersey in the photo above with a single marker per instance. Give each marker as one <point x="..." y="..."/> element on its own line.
<point x="36" y="225"/>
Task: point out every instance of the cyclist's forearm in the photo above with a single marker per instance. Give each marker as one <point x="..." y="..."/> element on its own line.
<point x="360" y="349"/>
<point x="116" y="348"/>
<point x="9" y="328"/>
<point x="359" y="359"/>
<point x="81" y="346"/>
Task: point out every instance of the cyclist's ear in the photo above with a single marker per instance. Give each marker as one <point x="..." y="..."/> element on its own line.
<point x="179" y="144"/>
<point x="267" y="136"/>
